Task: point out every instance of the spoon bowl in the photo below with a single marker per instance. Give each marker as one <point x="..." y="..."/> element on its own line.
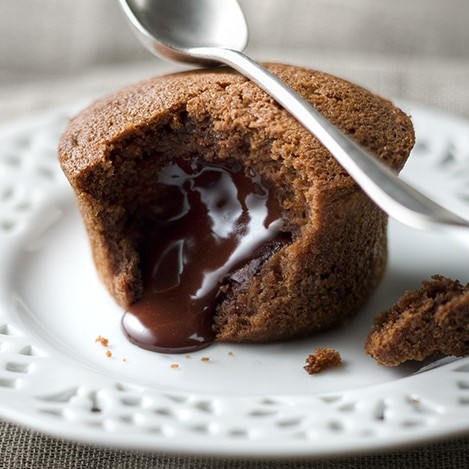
<point x="215" y="31"/>
<point x="169" y="28"/>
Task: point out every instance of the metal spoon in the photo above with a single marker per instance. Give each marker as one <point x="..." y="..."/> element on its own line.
<point x="214" y="31"/>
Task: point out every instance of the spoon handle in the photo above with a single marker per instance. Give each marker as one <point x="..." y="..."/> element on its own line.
<point x="397" y="198"/>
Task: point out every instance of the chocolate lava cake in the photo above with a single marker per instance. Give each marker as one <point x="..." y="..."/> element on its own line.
<point x="214" y="215"/>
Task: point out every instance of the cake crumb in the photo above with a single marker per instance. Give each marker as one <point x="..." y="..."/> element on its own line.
<point x="188" y="357"/>
<point x="230" y="354"/>
<point x="322" y="359"/>
<point x="205" y="359"/>
<point x="174" y="366"/>
<point x="108" y="353"/>
<point x="432" y="320"/>
<point x="124" y="360"/>
<point x="102" y="340"/>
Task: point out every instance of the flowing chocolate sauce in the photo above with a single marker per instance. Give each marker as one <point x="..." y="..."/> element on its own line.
<point x="209" y="222"/>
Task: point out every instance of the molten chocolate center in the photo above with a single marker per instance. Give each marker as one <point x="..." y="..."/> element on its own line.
<point x="208" y="223"/>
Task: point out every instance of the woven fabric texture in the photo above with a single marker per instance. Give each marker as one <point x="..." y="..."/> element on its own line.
<point x="23" y="449"/>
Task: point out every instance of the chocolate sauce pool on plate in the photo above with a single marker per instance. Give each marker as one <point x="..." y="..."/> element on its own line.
<point x="209" y="222"/>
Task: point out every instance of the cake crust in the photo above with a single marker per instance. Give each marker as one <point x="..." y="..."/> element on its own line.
<point x="112" y="151"/>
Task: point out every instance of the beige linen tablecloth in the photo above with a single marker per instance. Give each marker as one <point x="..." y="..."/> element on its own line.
<point x="22" y="449"/>
<point x="54" y="53"/>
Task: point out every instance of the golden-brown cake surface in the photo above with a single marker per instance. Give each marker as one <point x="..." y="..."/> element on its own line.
<point x="113" y="152"/>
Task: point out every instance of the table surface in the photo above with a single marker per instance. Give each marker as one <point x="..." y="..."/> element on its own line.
<point x="437" y="80"/>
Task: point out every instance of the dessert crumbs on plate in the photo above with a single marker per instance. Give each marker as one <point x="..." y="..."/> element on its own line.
<point x="174" y="366"/>
<point x="102" y="340"/>
<point x="322" y="359"/>
<point x="108" y="353"/>
<point x="205" y="359"/>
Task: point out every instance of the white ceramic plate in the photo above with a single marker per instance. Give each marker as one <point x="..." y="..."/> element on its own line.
<point x="243" y="401"/>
